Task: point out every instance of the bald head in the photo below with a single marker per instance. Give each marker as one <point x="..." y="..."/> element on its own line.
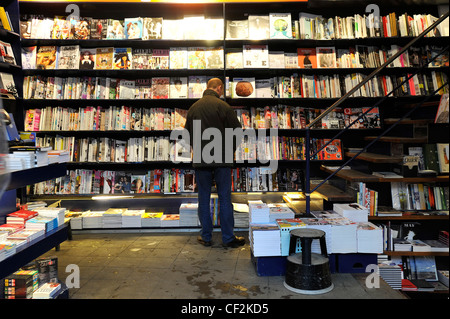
<point x="214" y="83"/>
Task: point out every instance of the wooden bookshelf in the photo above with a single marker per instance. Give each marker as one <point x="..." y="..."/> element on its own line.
<point x="376" y="158"/>
<point x="357" y="176"/>
<point x="396" y="139"/>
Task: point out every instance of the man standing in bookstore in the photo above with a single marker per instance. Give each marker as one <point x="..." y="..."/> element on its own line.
<point x="210" y="112"/>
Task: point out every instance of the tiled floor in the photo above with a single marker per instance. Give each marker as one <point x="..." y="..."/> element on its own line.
<point x="175" y="266"/>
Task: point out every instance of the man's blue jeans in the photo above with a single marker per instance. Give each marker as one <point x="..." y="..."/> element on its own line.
<point x="204" y="178"/>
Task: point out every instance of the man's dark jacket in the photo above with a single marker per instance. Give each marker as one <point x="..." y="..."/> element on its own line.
<point x="216" y="113"/>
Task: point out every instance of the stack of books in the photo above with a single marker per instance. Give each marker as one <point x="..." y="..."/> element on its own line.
<point x="19" y="161"/>
<point x="112" y="217"/>
<point x="21" y="284"/>
<point x="48" y="290"/>
<point x="259" y="213"/>
<point x="285" y="226"/>
<point x="402" y="245"/>
<point x="170" y="220"/>
<point x="76" y="219"/>
<point x="6" y="250"/>
<point x="20" y="217"/>
<point x="436" y="245"/>
<point x="92" y="220"/>
<point x="355" y="212"/>
<point x="265" y="240"/>
<point x="343" y="236"/>
<point x="241" y="215"/>
<point x="418" y="245"/>
<point x="132" y="218"/>
<point x="391" y="274"/>
<point x="150" y="219"/>
<point x="279" y="211"/>
<point x="369" y="239"/>
<point x="11" y="228"/>
<point x="189" y="215"/>
<point x="58" y="156"/>
<point x="40" y="222"/>
<point x="3" y="234"/>
<point x="39" y="154"/>
<point x="27" y="234"/>
<point x="55" y="212"/>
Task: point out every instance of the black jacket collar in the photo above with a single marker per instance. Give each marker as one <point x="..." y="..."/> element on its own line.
<point x="211" y="92"/>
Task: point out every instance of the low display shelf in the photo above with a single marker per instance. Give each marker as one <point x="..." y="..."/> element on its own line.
<point x="37" y="247"/>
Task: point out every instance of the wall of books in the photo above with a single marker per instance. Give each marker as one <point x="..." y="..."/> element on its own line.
<point x="109" y="86"/>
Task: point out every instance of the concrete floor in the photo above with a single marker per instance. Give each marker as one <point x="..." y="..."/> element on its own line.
<point x="174" y="266"/>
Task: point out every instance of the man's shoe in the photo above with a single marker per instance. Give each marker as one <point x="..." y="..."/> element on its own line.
<point x="203" y="242"/>
<point x="236" y="242"/>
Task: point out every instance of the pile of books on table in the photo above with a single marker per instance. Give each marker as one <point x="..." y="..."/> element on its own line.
<point x="188" y="215"/>
<point x="92" y="220"/>
<point x="112" y="217"/>
<point x="132" y="218"/>
<point x="149" y="219"/>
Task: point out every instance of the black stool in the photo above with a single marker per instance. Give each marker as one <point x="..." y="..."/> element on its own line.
<point x="306" y="272"/>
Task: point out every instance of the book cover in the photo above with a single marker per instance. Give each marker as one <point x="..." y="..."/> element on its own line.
<point x="141" y="59"/>
<point x="258" y="27"/>
<point x="87" y="58"/>
<point x="443" y="156"/>
<point x="234" y="60"/>
<point x="160" y="87"/>
<point x="133" y="28"/>
<point x="280" y="26"/>
<point x="61" y="28"/>
<point x="160" y="59"/>
<point x="115" y="29"/>
<point x="372" y="118"/>
<point x="82" y="29"/>
<point x="28" y="57"/>
<point x="243" y="88"/>
<point x="215" y="28"/>
<point x="99" y="28"/>
<point x="332" y="151"/>
<point x="138" y="184"/>
<point x="442" y="112"/>
<point x="178" y="58"/>
<point x="276" y="59"/>
<point x="178" y="88"/>
<point x="194" y="27"/>
<point x="104" y="58"/>
<point x="196" y="58"/>
<point x="255" y="56"/>
<point x="237" y="29"/>
<point x="307" y="58"/>
<point x="263" y="88"/>
<point x="123" y="58"/>
<point x="172" y="29"/>
<point x="196" y="86"/>
<point x="69" y="55"/>
<point x="152" y="28"/>
<point x="46" y="57"/>
<point x="214" y="58"/>
<point x="127" y="89"/>
<point x="326" y="57"/>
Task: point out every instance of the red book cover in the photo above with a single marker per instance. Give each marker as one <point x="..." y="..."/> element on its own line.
<point x="332" y="151"/>
<point x="307" y="58"/>
<point x="25" y="214"/>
